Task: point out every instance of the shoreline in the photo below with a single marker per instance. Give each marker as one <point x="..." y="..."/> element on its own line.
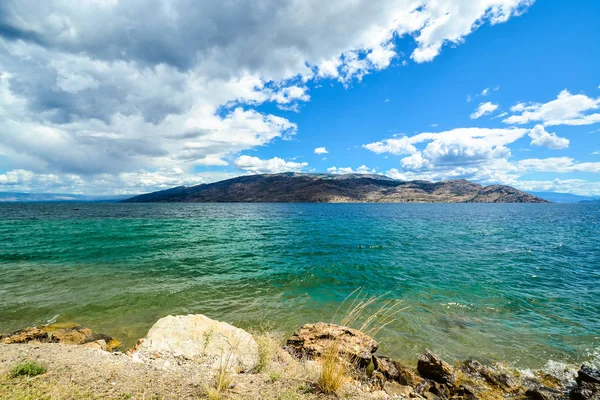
<point x="262" y="362"/>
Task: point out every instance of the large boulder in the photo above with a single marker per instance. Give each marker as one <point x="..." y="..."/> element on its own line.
<point x="313" y="340"/>
<point x="66" y="333"/>
<point x="197" y="338"/>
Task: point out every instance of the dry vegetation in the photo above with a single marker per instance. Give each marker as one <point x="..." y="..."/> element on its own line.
<point x="337" y="369"/>
<point x="77" y="373"/>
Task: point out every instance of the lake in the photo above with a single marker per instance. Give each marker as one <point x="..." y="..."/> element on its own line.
<point x="512" y="282"/>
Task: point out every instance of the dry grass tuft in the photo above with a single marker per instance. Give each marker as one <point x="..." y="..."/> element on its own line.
<point x="337" y="369"/>
<point x="268" y="345"/>
<point x="222" y="380"/>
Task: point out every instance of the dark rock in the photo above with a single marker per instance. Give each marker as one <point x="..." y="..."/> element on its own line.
<point x="586" y="391"/>
<point x="588" y="374"/>
<point x="432" y="367"/>
<point x="464" y="392"/>
<point x="422" y="387"/>
<point x="313" y="340"/>
<point x="543" y="394"/>
<point x="387" y="367"/>
<point x="494" y="377"/>
<point x="441" y="390"/>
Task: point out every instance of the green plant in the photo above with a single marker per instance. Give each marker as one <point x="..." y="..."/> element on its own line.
<point x="28" y="368"/>
<point x="275" y="375"/>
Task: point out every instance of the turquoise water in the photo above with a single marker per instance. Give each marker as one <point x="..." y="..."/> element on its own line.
<point x="512" y="282"/>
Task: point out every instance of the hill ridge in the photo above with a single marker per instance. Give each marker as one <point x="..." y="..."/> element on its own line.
<point x="293" y="187"/>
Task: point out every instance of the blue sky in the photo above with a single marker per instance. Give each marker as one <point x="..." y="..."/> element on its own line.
<point x="494" y="91"/>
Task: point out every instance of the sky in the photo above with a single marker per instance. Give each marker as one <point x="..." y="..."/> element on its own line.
<point x="132" y="96"/>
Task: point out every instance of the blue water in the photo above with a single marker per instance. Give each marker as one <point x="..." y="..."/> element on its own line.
<point x="512" y="282"/>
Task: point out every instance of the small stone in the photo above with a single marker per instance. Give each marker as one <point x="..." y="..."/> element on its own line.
<point x="543" y="394"/>
<point x="395" y="389"/>
<point x="407" y="376"/>
<point x="430" y="396"/>
<point x="497" y="378"/>
<point x="98" y="344"/>
<point x="432" y="367"/>
<point x="387" y="367"/>
<point x="441" y="390"/>
<point x="69" y="336"/>
<point x="111" y="343"/>
<point x="379" y="394"/>
<point x="422" y="387"/>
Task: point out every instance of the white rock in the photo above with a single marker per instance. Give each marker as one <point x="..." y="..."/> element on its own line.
<point x="201" y="339"/>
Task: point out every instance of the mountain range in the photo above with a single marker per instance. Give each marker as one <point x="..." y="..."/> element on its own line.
<point x="328" y="188"/>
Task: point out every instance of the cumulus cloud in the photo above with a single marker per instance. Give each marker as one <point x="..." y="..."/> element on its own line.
<point x="450" y="22"/>
<point x="484" y="109"/>
<point x="321" y="150"/>
<point x="566" y="109"/>
<point x="113" y="87"/>
<point x="140" y="181"/>
<point x="272" y="166"/>
<point x="478" y="154"/>
<point x="363" y="169"/>
<point x="539" y="137"/>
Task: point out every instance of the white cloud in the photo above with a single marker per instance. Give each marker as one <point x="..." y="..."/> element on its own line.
<point x="477" y="154"/>
<point x="575" y="186"/>
<point x="123" y="183"/>
<point x="484" y="109"/>
<point x="452" y="21"/>
<point x="566" y="109"/>
<point x="272" y="166"/>
<point x="321" y="150"/>
<point x="108" y="87"/>
<point x="556" y="164"/>
<point x="489" y="90"/>
<point x="363" y="169"/>
<point x="539" y="137"/>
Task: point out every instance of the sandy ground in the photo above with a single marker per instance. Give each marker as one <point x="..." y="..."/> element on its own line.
<point x="75" y="372"/>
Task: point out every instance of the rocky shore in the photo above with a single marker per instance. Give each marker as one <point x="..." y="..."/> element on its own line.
<point x="193" y="356"/>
